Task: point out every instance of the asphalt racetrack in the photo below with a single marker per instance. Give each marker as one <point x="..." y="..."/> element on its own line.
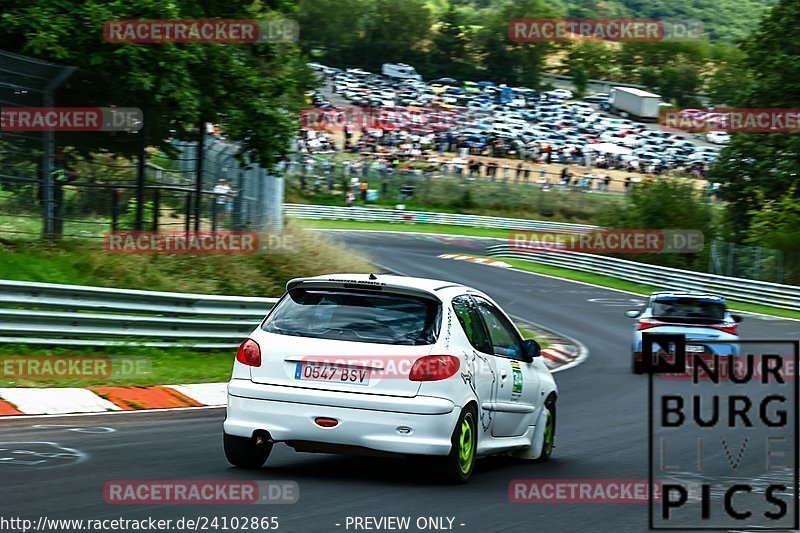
<point x="602" y="432"/>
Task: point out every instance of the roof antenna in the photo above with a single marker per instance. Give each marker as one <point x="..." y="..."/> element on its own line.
<point x="373" y="276"/>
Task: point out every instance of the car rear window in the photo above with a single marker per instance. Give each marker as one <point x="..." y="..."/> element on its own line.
<point x="689" y="309"/>
<point x="356" y="316"/>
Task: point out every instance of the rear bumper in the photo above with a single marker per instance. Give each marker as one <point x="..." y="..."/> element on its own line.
<point x="368" y="421"/>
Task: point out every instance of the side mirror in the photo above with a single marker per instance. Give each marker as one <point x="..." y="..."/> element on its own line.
<point x="633" y="313"/>
<point x="530" y="349"/>
<point x="737" y="318"/>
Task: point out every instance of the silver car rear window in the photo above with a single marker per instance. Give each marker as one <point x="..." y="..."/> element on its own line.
<point x="689" y="308"/>
<point x="348" y="315"/>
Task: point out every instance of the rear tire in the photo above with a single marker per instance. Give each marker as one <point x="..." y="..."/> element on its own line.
<point x="244" y="452"/>
<point x="457" y="467"/>
<point x="549" y="431"/>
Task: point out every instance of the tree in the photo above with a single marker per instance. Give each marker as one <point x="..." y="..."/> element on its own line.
<point x="772" y="56"/>
<point x="731" y="79"/>
<point x="332" y="30"/>
<point x="394" y="31"/>
<point x="251" y="90"/>
<point x="680" y="83"/>
<point x="650" y="76"/>
<point x="594" y="9"/>
<point x="596" y="57"/>
<point x="665" y="204"/>
<point x="756" y="168"/>
<point x="776" y="225"/>
<point x="507" y="61"/>
<point x="579" y="79"/>
<point x="633" y="55"/>
<point x="451" y="49"/>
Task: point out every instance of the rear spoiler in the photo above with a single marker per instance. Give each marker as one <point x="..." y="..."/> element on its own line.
<point x="359" y="285"/>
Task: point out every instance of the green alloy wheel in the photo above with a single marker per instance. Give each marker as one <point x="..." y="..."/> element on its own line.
<point x="466" y="449"/>
<point x="549" y="430"/>
<point x="458" y="465"/>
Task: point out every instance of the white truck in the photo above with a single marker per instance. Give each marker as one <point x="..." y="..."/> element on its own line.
<point x="400" y="71"/>
<point x="634" y="103"/>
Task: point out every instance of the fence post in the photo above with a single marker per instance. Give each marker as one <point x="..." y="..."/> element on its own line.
<point x="259" y="210"/>
<point x="48" y="141"/>
<point x="199" y="178"/>
<point x="238" y="201"/>
<point x="156" y="207"/>
<point x="114" y="209"/>
<point x="188" y="213"/>
<point x="140" y="177"/>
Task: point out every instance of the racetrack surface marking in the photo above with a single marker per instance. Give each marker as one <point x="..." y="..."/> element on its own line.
<point x="478" y="260"/>
<point x="133" y="398"/>
<point x="98" y="400"/>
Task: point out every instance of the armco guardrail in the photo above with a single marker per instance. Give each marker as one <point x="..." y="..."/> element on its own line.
<point x="374" y="214"/>
<point x="738" y="289"/>
<point x="74" y="315"/>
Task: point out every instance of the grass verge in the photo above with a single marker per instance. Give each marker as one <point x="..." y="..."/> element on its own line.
<point x="85" y="262"/>
<point x="115" y="366"/>
<point x="528" y="333"/>
<point x="402" y="226"/>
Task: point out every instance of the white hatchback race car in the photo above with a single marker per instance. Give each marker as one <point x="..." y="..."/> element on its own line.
<point x="354" y="363"/>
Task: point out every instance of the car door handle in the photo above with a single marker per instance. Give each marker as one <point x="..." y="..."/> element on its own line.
<point x="503" y="374"/>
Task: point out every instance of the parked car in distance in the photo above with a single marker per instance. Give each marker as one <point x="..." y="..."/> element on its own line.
<point x="718" y="137"/>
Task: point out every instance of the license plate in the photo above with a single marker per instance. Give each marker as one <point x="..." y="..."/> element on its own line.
<point x="695" y="349"/>
<point x="332" y="373"/>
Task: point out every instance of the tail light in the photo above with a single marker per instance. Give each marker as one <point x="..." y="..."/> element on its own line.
<point x="727" y="328"/>
<point x="434" y="368"/>
<point x="249" y="353"/>
<point x="647" y="323"/>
